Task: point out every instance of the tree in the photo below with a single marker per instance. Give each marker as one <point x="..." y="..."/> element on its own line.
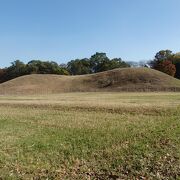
<point x="163" y="55"/>
<point x="117" y="63"/>
<point x="45" y="67"/>
<point x="33" y="66"/>
<point x="164" y="62"/>
<point x="2" y="75"/>
<point x="79" y="66"/>
<point x="167" y="67"/>
<point x="17" y="68"/>
<point x="176" y="62"/>
<point x="99" y="62"/>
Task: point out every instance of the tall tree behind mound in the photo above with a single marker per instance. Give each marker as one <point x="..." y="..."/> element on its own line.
<point x="98" y="62"/>
<point x="167" y="62"/>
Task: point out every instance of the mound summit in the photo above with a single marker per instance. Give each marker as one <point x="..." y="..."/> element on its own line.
<point x="124" y="79"/>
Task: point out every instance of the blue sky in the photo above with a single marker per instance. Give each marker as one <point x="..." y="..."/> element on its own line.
<point x="62" y="30"/>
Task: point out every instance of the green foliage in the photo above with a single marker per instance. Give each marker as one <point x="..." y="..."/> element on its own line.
<point x="40" y="67"/>
<point x="18" y="68"/>
<point x="163" y="55"/>
<point x="79" y="66"/>
<point x="2" y="75"/>
<point x="117" y="63"/>
<point x="99" y="62"/>
<point x="164" y="61"/>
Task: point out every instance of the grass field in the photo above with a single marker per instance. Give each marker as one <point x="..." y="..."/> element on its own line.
<point x="90" y="136"/>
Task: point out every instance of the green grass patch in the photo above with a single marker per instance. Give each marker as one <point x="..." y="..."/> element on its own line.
<point x="43" y="141"/>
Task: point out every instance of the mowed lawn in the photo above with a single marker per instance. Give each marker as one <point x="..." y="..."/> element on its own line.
<point x="90" y="136"/>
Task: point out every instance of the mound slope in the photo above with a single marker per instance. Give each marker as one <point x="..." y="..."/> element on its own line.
<point x="125" y="79"/>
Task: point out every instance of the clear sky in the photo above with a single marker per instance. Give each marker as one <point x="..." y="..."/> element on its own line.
<point x="62" y="30"/>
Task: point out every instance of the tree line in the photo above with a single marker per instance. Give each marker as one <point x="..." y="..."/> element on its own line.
<point x="96" y="63"/>
<point x="164" y="61"/>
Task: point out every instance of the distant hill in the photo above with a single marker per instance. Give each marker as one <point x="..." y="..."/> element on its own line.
<point x="124" y="79"/>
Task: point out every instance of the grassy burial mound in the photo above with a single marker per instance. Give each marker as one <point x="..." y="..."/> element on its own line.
<point x="125" y="79"/>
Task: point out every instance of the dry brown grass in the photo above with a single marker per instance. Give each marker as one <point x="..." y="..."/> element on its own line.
<point x="126" y="79"/>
